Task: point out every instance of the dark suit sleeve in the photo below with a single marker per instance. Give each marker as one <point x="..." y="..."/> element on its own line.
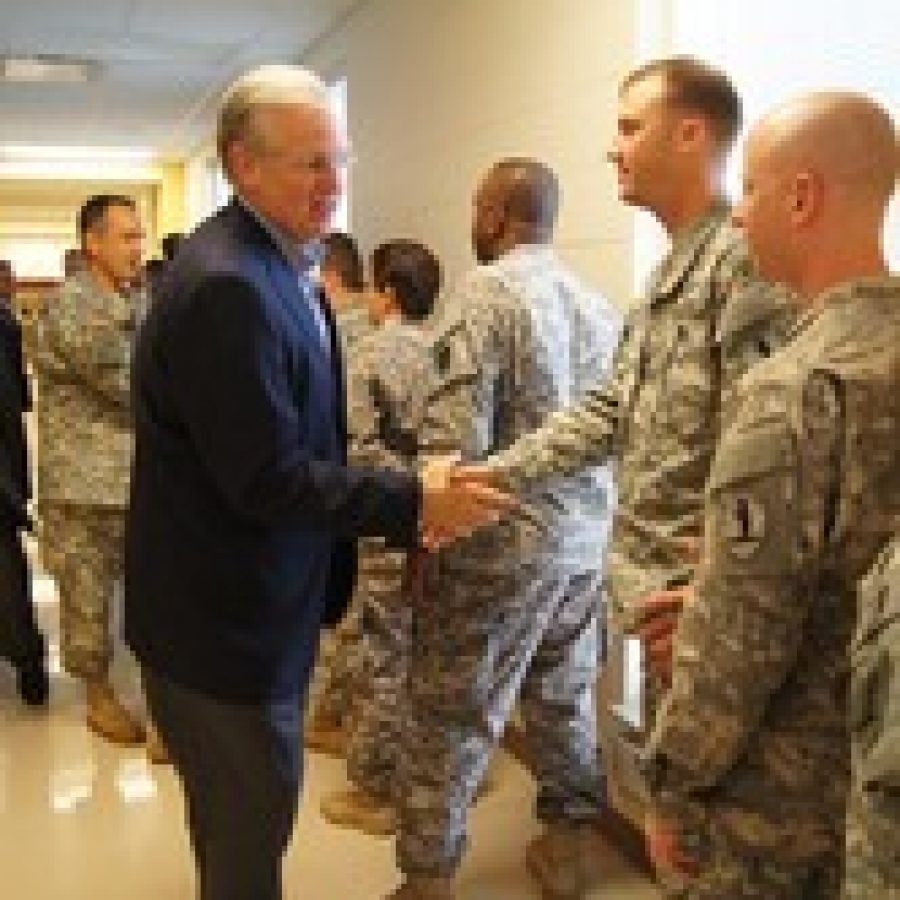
<point x="240" y="403"/>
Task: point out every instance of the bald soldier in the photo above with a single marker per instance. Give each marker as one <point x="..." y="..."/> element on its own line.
<point x="749" y="760"/>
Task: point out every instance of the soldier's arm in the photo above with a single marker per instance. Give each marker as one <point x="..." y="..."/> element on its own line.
<point x="573" y="439"/>
<point x="379" y="400"/>
<point x="457" y="403"/>
<point x="875" y="678"/>
<point x="770" y="506"/>
<point x="93" y="342"/>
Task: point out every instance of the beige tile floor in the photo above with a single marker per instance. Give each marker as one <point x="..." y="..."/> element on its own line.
<point x="81" y="820"/>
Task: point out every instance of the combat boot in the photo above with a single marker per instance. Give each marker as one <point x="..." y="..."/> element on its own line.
<point x="563" y="861"/>
<point x="322" y="735"/>
<point x="361" y="810"/>
<point x="107" y="717"/>
<point x="425" y="887"/>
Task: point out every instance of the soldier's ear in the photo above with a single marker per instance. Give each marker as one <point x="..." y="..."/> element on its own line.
<point x="807" y="198"/>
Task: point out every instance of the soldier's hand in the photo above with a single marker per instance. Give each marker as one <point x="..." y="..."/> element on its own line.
<point x="473" y="474"/>
<point x="664" y="847"/>
<point x="454" y="508"/>
<point x="659" y="614"/>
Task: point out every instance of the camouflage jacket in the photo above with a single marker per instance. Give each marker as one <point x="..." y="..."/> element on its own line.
<point x="388" y="374"/>
<point x="353" y="323"/>
<point x="803" y="492"/>
<point x="873" y="826"/>
<point x="520" y="339"/>
<point x="83" y="361"/>
<point x="387" y="381"/>
<point x="704" y="321"/>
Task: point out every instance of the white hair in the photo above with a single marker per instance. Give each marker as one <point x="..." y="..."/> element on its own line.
<point x="264" y="86"/>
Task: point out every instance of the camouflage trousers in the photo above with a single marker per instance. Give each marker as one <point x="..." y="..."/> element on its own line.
<point x="483" y="638"/>
<point x="335" y="680"/>
<point x="386" y="623"/>
<point x="873" y="846"/>
<point x="729" y="870"/>
<point x="84" y="550"/>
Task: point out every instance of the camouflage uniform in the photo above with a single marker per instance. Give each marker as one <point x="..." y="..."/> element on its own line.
<point x="85" y="340"/>
<point x="873" y="822"/>
<point x="354" y="323"/>
<point x="337" y="677"/>
<point x="510" y="612"/>
<point x="704" y="321"/>
<point x="749" y="758"/>
<point x="386" y="383"/>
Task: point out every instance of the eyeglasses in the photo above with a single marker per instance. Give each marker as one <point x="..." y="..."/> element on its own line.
<point x="321" y="164"/>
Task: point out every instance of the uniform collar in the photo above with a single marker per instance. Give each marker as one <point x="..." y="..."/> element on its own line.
<point x="687" y="245"/>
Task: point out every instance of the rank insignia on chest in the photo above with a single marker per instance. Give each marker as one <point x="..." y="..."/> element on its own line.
<point x="744" y="526"/>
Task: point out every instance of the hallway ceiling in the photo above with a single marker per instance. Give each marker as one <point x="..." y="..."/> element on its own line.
<point x="161" y="65"/>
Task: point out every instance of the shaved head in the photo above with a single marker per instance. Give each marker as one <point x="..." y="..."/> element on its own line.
<point x="846" y="139"/>
<point x="819" y="173"/>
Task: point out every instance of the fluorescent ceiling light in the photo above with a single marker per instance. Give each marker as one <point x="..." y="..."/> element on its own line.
<point x="47" y="68"/>
<point x="44" y="153"/>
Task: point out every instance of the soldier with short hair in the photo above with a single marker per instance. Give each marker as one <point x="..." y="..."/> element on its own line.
<point x="85" y="339"/>
<point x="704" y="318"/>
<point x="511" y="613"/>
<point x="749" y="760"/>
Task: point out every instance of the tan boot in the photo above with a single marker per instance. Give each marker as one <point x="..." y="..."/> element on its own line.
<point x="423" y="887"/>
<point x="156" y="749"/>
<point x="562" y="861"/>
<point x="107" y="717"/>
<point x="325" y="736"/>
<point x="361" y="810"/>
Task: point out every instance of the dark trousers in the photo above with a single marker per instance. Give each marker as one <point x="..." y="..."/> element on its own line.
<point x="240" y="766"/>
<point x="20" y="640"/>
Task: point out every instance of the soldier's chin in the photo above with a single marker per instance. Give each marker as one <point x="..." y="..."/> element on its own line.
<point x="627" y="194"/>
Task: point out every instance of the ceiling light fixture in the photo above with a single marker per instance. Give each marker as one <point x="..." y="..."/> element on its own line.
<point x="48" y="68"/>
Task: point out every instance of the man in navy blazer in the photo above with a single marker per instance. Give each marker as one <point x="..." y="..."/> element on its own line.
<point x="244" y="513"/>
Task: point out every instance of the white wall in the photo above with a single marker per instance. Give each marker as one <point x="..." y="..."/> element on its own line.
<point x="439" y="89"/>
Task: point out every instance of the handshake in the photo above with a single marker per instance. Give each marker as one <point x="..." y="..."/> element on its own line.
<point x="457" y="500"/>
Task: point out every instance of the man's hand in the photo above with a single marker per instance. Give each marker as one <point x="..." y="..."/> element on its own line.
<point x="664" y="848"/>
<point x="474" y="474"/>
<point x="453" y="507"/>
<point x="659" y="614"/>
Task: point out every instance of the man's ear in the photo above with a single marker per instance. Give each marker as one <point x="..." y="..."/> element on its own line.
<point x="807" y="198"/>
<point x="691" y="133"/>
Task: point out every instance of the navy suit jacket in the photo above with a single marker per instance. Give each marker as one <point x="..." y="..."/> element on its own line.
<point x="244" y="515"/>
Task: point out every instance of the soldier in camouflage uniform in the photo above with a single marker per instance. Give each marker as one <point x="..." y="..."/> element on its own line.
<point x="510" y="613"/>
<point x="749" y="760"/>
<point x="386" y="386"/>
<point x="336" y="677"/>
<point x="873" y="820"/>
<point x="85" y="339"/>
<point x="341" y="272"/>
<point x="703" y="321"/>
